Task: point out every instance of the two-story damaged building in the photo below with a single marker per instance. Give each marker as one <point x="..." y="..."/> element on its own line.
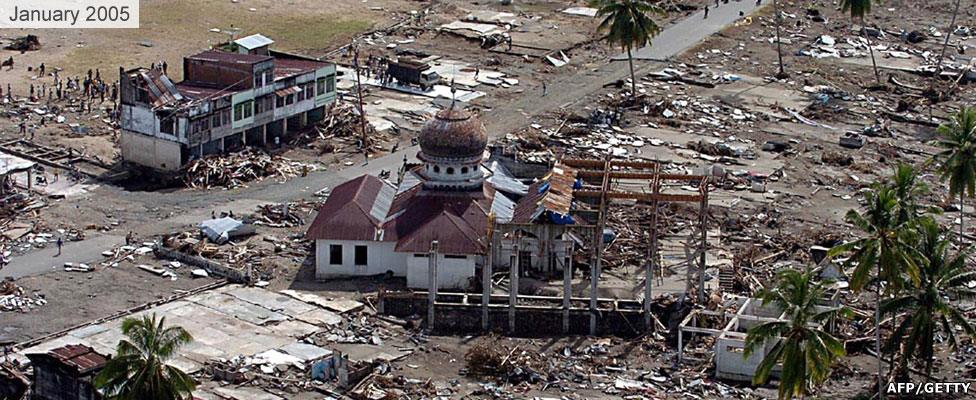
<point x="247" y="96"/>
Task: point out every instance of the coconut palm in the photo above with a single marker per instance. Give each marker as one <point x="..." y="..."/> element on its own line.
<point x="924" y="307"/>
<point x="885" y="248"/>
<point x="804" y="349"/>
<point x="139" y="370"/>
<point x="858" y="9"/>
<point x="779" y="44"/>
<point x="958" y="156"/>
<point x="629" y="25"/>
<point x="908" y="188"/>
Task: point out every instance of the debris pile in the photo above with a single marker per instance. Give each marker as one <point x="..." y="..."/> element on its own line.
<point x="285" y="215"/>
<point x="237" y="169"/>
<point x="25" y="43"/>
<point x="15" y="298"/>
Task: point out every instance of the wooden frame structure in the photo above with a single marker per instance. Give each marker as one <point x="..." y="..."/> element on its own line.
<point x="610" y="174"/>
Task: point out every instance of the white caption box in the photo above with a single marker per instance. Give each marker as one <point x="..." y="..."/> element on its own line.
<point x="69" y="14"/>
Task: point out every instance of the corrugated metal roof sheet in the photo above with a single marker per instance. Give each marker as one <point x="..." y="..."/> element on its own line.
<point x="226" y="57"/>
<point x="503" y="180"/>
<point x="254" y="41"/>
<point x="503" y="207"/>
<point x="287" y="67"/>
<point x="287" y="91"/>
<point x="78" y="357"/>
<point x="10" y="163"/>
<point x="554" y="193"/>
<point x="162" y="91"/>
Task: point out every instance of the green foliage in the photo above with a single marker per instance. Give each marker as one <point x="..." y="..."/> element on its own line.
<point x="887" y="242"/>
<point x="805" y="350"/>
<point x="925" y="305"/>
<point x="958" y="156"/>
<point x="627" y="22"/>
<point x="139" y="370"/>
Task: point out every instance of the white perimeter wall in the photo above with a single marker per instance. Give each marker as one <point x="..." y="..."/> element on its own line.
<point x="452" y="273"/>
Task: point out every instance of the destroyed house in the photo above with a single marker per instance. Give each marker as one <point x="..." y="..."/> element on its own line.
<point x="226" y="101"/>
<point x="66" y="373"/>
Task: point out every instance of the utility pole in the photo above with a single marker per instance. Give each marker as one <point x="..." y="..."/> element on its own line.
<point x="359" y="90"/>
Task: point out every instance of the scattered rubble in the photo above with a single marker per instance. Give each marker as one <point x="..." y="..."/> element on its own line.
<point x="237" y="169"/>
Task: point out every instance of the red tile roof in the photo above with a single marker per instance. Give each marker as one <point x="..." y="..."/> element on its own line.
<point x="347" y="214"/>
<point x="457" y="220"/>
<point x="415" y="217"/>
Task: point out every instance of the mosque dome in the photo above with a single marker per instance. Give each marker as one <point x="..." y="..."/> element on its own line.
<point x="453" y="134"/>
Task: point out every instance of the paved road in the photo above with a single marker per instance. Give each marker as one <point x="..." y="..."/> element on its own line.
<point x="501" y="120"/>
<point x="688" y="32"/>
<point x="47" y="260"/>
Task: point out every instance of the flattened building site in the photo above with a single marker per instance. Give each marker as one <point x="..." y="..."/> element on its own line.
<point x="553" y="199"/>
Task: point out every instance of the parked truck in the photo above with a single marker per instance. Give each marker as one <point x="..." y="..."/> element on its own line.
<point x="412" y="72"/>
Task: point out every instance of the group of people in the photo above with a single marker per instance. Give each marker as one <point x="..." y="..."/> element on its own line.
<point x="717" y="2"/>
<point x="81" y="91"/>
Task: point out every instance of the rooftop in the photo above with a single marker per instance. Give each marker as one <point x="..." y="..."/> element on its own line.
<point x="225" y="57"/>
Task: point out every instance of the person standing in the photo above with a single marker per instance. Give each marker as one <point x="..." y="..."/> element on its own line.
<point x="545" y="89"/>
<point x="706" y="12"/>
<point x="60" y="243"/>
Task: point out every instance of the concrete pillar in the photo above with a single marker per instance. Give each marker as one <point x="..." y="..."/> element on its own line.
<point x="513" y="285"/>
<point x="431" y="284"/>
<point x="222" y="144"/>
<point x="567" y="287"/>
<point x="303" y="120"/>
<point x="595" y="278"/>
<point x="264" y="133"/>
<point x="486" y="285"/>
<point x="244" y="138"/>
<point x="704" y="248"/>
<point x="651" y="266"/>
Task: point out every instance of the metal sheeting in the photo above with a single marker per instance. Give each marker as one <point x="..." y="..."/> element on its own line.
<point x="503" y="208"/>
<point x="504" y="181"/>
<point x="287" y="91"/>
<point x="254" y="41"/>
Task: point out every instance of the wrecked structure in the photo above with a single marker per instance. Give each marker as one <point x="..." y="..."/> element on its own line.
<point x="66" y="373"/>
<point x="369" y="227"/>
<point x="226" y="101"/>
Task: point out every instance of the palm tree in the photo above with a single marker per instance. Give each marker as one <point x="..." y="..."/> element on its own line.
<point x="779" y="44"/>
<point x="628" y="25"/>
<point x="804" y="349"/>
<point x="925" y="305"/>
<point x="139" y="369"/>
<point x="958" y="156"/>
<point x="908" y="189"/>
<point x="885" y="247"/>
<point x="858" y="9"/>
